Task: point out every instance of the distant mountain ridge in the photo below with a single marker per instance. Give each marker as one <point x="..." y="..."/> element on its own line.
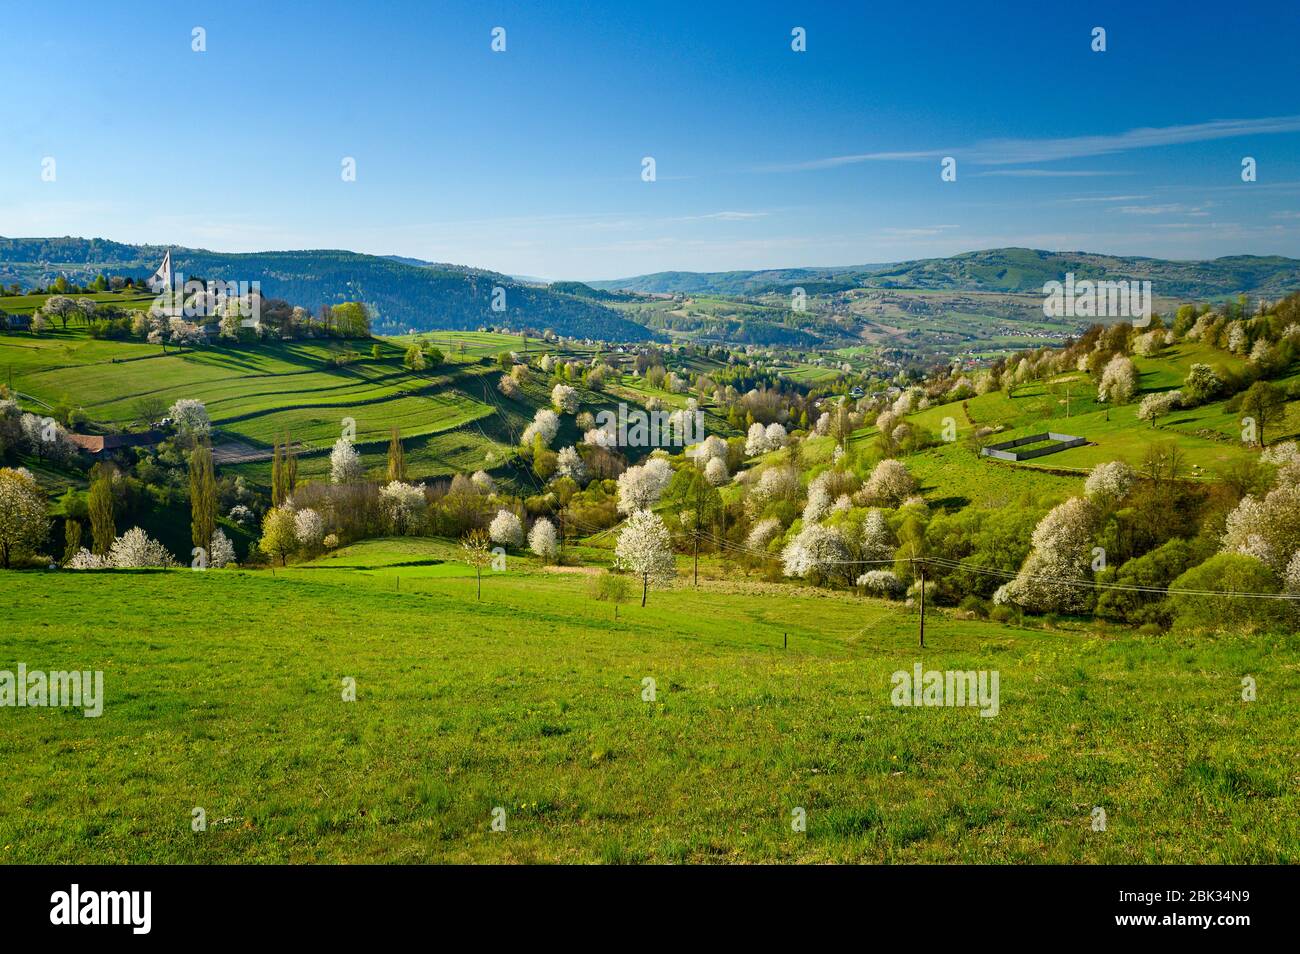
<point x="1008" y="270"/>
<point x="405" y="294"/>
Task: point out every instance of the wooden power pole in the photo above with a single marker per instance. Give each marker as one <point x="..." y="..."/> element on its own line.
<point x="922" y="571"/>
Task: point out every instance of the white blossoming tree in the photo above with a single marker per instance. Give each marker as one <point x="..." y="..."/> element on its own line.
<point x="1061" y="559"/>
<point x="877" y="542"/>
<point x="1109" y="483"/>
<point x="402" y="504"/>
<point x="889" y="483"/>
<point x="569" y="463"/>
<point x="23" y="524"/>
<point x="883" y="583"/>
<point x="645" y="549"/>
<point x="345" y="463"/>
<point x="190" y="418"/>
<point x="223" y="551"/>
<point x="506" y="529"/>
<point x="135" y="549"/>
<point x="715" y="471"/>
<point x="543" y="541"/>
<point x="1267" y="528"/>
<point x="817" y="549"/>
<point x="1119" y="381"/>
<point x="309" y="528"/>
<point x="762" y="533"/>
<point x="640" y="487"/>
<point x="564" y="399"/>
<point x="1158" y="404"/>
<point x="545" y="424"/>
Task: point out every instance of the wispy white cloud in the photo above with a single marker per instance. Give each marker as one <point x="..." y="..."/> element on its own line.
<point x="1048" y="173"/>
<point x="997" y="152"/>
<point x="1168" y="208"/>
<point x="726" y="216"/>
<point x="1078" y="199"/>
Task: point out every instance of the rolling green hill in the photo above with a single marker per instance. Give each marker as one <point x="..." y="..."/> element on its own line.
<point x="1001" y="269"/>
<point x="403" y="296"/>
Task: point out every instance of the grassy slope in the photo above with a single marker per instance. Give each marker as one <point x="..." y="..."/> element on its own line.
<point x="223" y="692"/>
<point x="254" y="394"/>
<point x="1209" y="435"/>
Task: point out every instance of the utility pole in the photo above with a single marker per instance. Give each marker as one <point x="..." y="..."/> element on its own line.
<point x="922" y="578"/>
<point x="696" y="571"/>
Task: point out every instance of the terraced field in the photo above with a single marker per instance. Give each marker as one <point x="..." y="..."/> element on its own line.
<point x="254" y="394"/>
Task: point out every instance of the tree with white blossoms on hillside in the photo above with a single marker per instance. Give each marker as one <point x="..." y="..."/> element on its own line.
<point x="645" y="548"/>
<point x="135" y="549"/>
<point x="1267" y="528"/>
<point x="715" y="472"/>
<point x="1060" y="561"/>
<point x="1109" y="483"/>
<point x="817" y="549"/>
<point x="889" y="483"/>
<point x="223" y="551"/>
<point x="640" y="487"/>
<point x="564" y="399"/>
<point x="711" y="448"/>
<point x="1119" y="381"/>
<point x="345" y="463"/>
<point x="1158" y="405"/>
<point x="881" y="583"/>
<point x="23" y="524"/>
<point x="309" y="528"/>
<point x="402" y="504"/>
<point x="569" y="463"/>
<point x="542" y="540"/>
<point x="506" y="529"/>
<point x="762" y="533"/>
<point x="190" y="418"/>
<point x="545" y="424"/>
<point x="877" y="545"/>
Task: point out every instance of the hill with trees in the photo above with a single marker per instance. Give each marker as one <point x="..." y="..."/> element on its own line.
<point x="1021" y="270"/>
<point x="402" y="296"/>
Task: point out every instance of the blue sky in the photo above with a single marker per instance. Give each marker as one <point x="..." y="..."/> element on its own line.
<point x="529" y="161"/>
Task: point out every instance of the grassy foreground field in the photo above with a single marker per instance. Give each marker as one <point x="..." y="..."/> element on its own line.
<point x="224" y="691"/>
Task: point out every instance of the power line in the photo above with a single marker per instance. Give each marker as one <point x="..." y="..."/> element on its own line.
<point x="1012" y="575"/>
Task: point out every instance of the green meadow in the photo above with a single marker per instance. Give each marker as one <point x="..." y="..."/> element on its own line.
<point x="224" y="691"/>
<point x="1209" y="435"/>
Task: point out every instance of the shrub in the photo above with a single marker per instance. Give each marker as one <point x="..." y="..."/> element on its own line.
<point x="1229" y="573"/>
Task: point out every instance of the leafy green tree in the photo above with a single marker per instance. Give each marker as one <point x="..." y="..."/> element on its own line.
<point x="279" y="534"/>
<point x="396" y="457"/>
<point x="1224" y="575"/>
<point x="1156" y="569"/>
<point x="1266" y="403"/>
<point x="203" y="497"/>
<point x="414" y="360"/>
<point x="611" y="588"/>
<point x="72" y="539"/>
<point x="103" y="529"/>
<point x="477" y="549"/>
